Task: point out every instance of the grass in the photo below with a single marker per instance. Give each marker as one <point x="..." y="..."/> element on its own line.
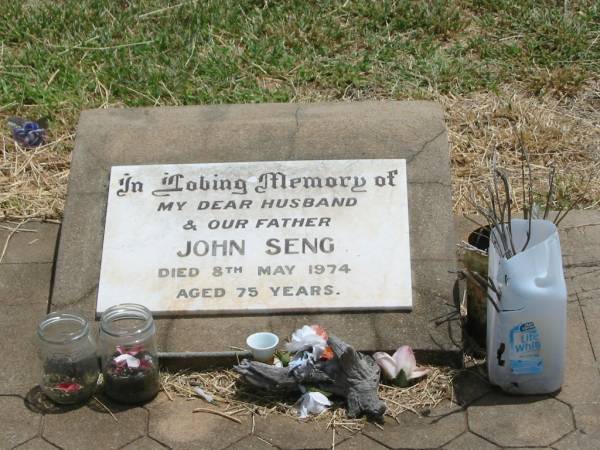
<point x="58" y="57"/>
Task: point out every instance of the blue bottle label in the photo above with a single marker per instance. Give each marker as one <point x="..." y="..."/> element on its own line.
<point x="525" y="349"/>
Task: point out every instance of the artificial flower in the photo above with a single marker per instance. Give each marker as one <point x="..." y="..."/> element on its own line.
<point x="312" y="403"/>
<point x="319" y="330"/>
<point x="130" y="350"/>
<point x="300" y="360"/>
<point x="306" y="338"/>
<point x="128" y="360"/>
<point x="146" y="362"/>
<point x="327" y="353"/>
<point x="68" y="388"/>
<point x="28" y="133"/>
<point x="402" y="360"/>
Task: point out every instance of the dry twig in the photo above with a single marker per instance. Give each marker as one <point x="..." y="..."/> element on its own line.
<point x="218" y="413"/>
<point x="10" y="235"/>
<point x="106" y="408"/>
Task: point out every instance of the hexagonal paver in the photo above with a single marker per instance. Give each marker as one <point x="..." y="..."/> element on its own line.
<point x="288" y="433"/>
<point x="174" y="424"/>
<point x="587" y="417"/>
<point x="439" y="427"/>
<point x="17" y="423"/>
<point x="17" y="330"/>
<point x="24" y="290"/>
<point x="144" y="443"/>
<point x="360" y="442"/>
<point x="468" y="386"/>
<point x="74" y="429"/>
<point x="26" y="247"/>
<point x="36" y="444"/>
<point x="582" y="381"/>
<point x="579" y="441"/>
<point x="469" y="441"/>
<point x="251" y="443"/>
<point x="591" y="310"/>
<point x="520" y="421"/>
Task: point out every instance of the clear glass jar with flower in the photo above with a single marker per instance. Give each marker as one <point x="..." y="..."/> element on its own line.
<point x="69" y="360"/>
<point x="129" y="354"/>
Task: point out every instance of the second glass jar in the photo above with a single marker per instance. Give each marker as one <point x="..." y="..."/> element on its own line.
<point x="68" y="353"/>
<point x="128" y="353"/>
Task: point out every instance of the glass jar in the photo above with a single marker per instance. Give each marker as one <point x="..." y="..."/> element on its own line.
<point x="69" y="360"/>
<point x="128" y="353"/>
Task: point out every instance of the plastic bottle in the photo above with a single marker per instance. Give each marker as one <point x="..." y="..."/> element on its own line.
<point x="526" y="338"/>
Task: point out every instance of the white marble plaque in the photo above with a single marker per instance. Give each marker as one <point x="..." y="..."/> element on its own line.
<point x="257" y="237"/>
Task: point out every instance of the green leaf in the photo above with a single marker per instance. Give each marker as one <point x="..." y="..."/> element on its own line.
<point x="284" y="357"/>
<point x="401" y="380"/>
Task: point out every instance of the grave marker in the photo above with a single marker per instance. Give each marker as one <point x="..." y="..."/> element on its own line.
<point x="410" y="131"/>
<point x="257" y="237"/>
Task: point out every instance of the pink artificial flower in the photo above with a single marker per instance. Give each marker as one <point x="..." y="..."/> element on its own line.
<point x="127" y="360"/>
<point x="403" y="359"/>
<point x="146" y="362"/>
<point x="68" y="388"/>
<point x="133" y="350"/>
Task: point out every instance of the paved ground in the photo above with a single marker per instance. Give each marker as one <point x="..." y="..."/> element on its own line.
<point x="480" y="417"/>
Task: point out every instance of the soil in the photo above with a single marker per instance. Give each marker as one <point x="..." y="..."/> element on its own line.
<point x="68" y="381"/>
<point x="132" y="385"/>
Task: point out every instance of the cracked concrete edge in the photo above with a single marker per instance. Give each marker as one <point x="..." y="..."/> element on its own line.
<point x="587" y="330"/>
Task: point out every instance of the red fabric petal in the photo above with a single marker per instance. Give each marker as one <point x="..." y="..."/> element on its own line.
<point x="69" y="388"/>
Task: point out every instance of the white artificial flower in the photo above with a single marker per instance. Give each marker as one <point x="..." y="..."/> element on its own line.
<point x="312" y="403"/>
<point x="131" y="361"/>
<point x="306" y="338"/>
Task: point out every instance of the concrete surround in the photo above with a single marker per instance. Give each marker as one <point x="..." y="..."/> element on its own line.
<point x="414" y="131"/>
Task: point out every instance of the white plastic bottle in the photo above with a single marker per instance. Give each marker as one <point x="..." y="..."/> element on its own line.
<point x="526" y="338"/>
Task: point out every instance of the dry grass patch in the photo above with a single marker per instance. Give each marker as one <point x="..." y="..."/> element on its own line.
<point x="235" y="398"/>
<point x="33" y="182"/>
<point x="564" y="133"/>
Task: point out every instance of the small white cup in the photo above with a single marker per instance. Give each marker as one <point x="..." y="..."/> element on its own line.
<point x="262" y="345"/>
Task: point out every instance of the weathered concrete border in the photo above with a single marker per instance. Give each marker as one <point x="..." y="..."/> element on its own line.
<point x="411" y="130"/>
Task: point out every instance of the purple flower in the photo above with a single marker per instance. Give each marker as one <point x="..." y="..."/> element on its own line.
<point x="27" y="133"/>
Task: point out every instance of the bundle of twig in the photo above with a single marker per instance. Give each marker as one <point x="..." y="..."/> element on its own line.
<point x="496" y="206"/>
<point x="485" y="283"/>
